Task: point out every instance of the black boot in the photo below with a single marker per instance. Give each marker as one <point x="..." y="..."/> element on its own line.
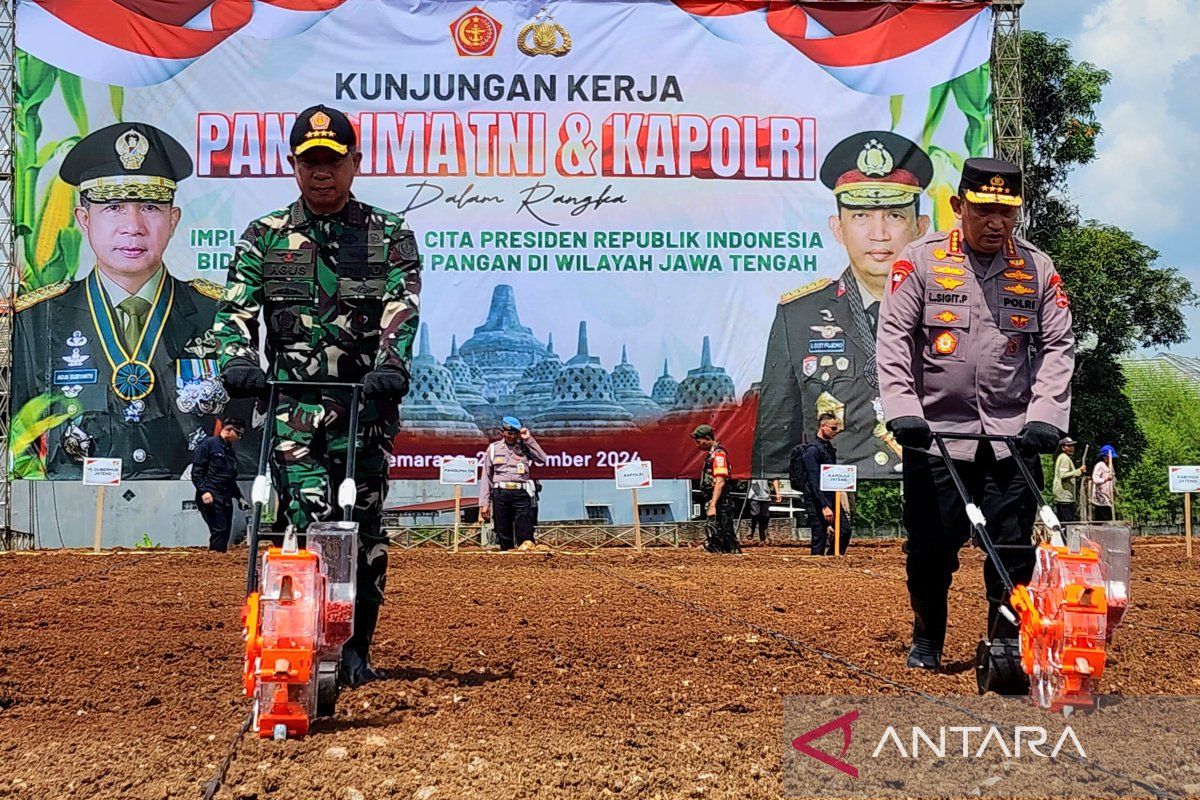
<point x="929" y="632"/>
<point x="924" y="655"/>
<point x="356" y="668"/>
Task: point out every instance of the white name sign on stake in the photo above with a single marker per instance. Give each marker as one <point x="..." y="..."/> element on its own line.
<point x="101" y="472"/>
<point x="839" y="478"/>
<point x="460" y="470"/>
<point x="634" y="475"/>
<point x="1184" y="479"/>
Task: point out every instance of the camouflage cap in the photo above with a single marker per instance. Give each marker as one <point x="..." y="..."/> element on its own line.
<point x="703" y="432"/>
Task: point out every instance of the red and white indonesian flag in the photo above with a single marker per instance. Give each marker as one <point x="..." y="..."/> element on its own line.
<point x="143" y="42"/>
<point x="871" y="47"/>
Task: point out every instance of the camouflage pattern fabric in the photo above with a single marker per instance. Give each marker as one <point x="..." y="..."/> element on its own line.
<point x="339" y="298"/>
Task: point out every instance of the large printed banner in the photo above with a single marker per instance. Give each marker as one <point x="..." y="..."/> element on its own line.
<point x="634" y="217"/>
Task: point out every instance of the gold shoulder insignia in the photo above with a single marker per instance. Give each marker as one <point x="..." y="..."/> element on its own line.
<point x="30" y="299"/>
<point x="803" y="291"/>
<point x="207" y="288"/>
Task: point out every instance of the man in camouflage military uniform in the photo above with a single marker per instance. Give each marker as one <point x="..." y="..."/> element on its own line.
<point x="336" y="281"/>
<point x="716" y="499"/>
<point x="821" y="352"/>
<point x="974" y="337"/>
<point x="112" y="350"/>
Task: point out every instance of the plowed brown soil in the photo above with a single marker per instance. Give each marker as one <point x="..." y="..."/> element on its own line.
<point x="509" y="676"/>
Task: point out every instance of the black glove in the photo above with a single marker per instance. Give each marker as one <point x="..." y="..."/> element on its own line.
<point x="911" y="432"/>
<point x="244" y="378"/>
<point x="1038" y="437"/>
<point x="389" y="384"/>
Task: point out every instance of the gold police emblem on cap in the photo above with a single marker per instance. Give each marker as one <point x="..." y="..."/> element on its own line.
<point x="996" y="181"/>
<point x="319" y="121"/>
<point x="543" y="36"/>
<point x="131" y="148"/>
<point x="875" y="160"/>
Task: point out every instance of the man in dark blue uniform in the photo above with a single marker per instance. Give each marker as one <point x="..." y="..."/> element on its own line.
<point x="821" y="352"/>
<point x="805" y="476"/>
<point x="109" y="356"/>
<point x="214" y="474"/>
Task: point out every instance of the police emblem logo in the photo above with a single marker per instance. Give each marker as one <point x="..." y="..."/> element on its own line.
<point x="1060" y="292"/>
<point x="1018" y="320"/>
<point x="809" y="366"/>
<point x="1018" y="275"/>
<point x="996" y="181"/>
<point x="900" y="272"/>
<point x="543" y="36"/>
<point x="1018" y="289"/>
<point x="944" y="270"/>
<point x="945" y="343"/>
<point x="475" y="33"/>
<point x="875" y="161"/>
<point x="940" y="253"/>
<point x="319" y="121"/>
<point x="947" y="317"/>
<point x="949" y="284"/>
<point x="132" y="148"/>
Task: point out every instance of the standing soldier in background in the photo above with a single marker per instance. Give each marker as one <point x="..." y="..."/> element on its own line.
<point x="336" y="281"/>
<point x="974" y="337"/>
<point x="716" y="499"/>
<point x="507" y="491"/>
<point x="821" y="351"/>
<point x="1065" y="473"/>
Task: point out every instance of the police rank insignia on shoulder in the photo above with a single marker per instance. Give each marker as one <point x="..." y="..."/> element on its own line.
<point x="30" y="299"/>
<point x="804" y="291"/>
<point x="209" y="289"/>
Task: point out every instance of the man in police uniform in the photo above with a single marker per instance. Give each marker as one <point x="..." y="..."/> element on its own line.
<point x="974" y="337"/>
<point x="336" y="281"/>
<point x="821" y="352"/>
<point x="112" y="347"/>
<point x="716" y="499"/>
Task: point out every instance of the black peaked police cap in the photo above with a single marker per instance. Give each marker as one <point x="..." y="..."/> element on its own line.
<point x="126" y="161"/>
<point x="321" y="126"/>
<point x="876" y="169"/>
<point x="990" y="180"/>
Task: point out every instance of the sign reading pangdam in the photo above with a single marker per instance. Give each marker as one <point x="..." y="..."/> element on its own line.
<point x="633" y="217"/>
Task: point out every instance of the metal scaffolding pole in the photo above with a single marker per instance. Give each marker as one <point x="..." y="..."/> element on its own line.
<point x="8" y="261"/>
<point x="1007" y="132"/>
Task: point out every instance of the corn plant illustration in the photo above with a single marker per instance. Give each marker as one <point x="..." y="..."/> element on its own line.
<point x="44" y="204"/>
<point x="30" y="425"/>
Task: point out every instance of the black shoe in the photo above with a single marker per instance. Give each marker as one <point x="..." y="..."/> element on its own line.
<point x="922" y="655"/>
<point x="355" y="669"/>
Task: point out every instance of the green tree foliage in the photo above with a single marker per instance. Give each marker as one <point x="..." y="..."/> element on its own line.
<point x="1060" y="98"/>
<point x="1121" y="298"/>
<point x="1168" y="412"/>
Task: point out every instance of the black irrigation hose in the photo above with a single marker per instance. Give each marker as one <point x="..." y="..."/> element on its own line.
<point x="214" y="784"/>
<point x="799" y="646"/>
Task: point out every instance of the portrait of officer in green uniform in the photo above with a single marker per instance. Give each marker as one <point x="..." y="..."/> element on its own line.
<point x="821" y="351"/>
<point x="112" y="348"/>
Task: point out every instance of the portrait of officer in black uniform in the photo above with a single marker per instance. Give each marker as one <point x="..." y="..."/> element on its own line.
<point x="821" y="351"/>
<point x="112" y="348"/>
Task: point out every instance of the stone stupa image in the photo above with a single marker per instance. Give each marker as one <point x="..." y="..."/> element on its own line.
<point x="431" y="406"/>
<point x="665" y="389"/>
<point x="535" y="392"/>
<point x="468" y="382"/>
<point x="627" y="388"/>
<point x="583" y="402"/>
<point x="706" y="386"/>
<point x="501" y="349"/>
